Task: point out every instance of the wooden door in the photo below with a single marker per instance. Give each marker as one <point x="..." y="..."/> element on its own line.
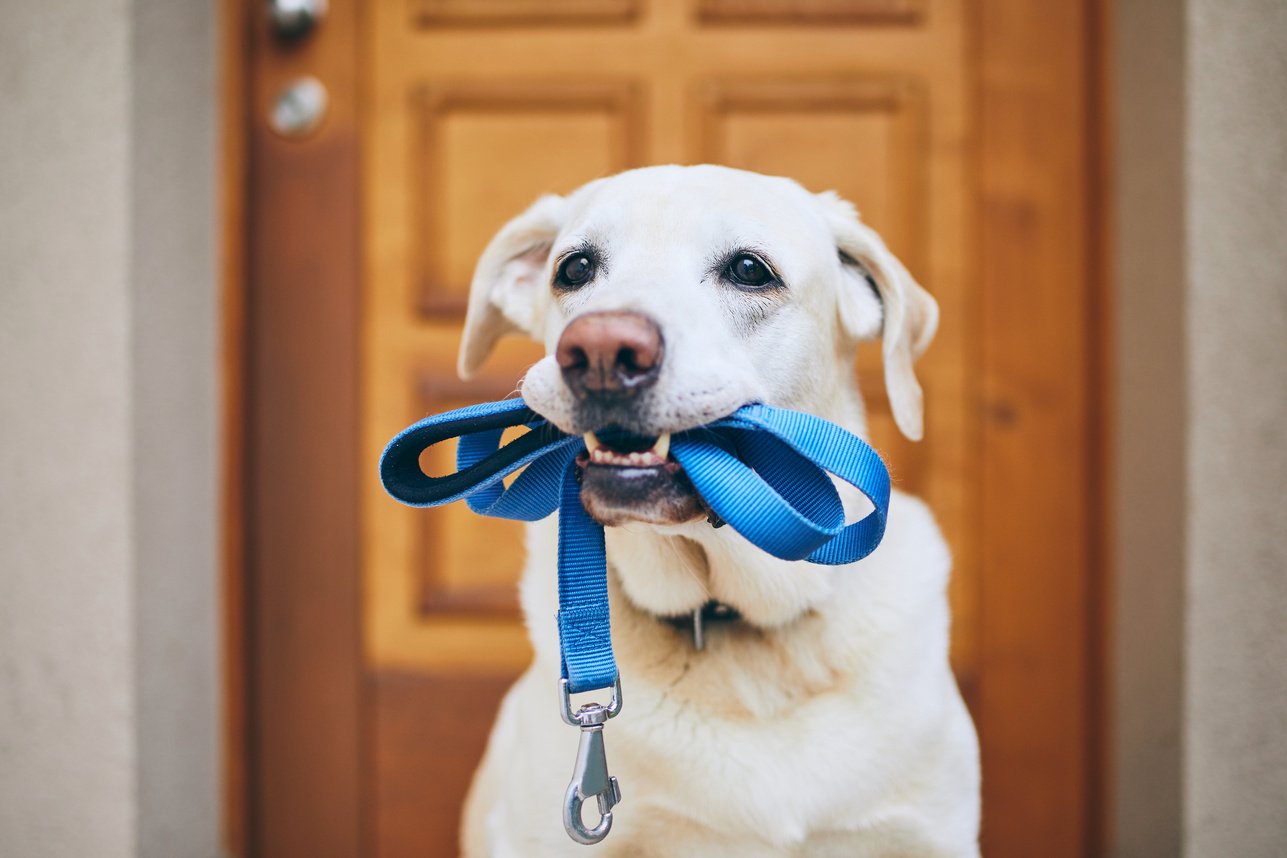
<point x="381" y="638"/>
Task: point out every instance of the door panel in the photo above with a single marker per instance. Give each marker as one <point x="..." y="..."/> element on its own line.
<point x="429" y="732"/>
<point x="478" y="122"/>
<point x="485" y="150"/>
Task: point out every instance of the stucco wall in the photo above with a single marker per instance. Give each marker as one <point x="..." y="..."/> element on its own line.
<point x="108" y="710"/>
<point x="174" y="355"/>
<point x="1199" y="766"/>
<point x="1236" y="643"/>
<point x="67" y="702"/>
<point x="108" y="670"/>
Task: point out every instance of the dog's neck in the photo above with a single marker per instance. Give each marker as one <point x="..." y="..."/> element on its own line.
<point x="713" y="614"/>
<point x="782" y="621"/>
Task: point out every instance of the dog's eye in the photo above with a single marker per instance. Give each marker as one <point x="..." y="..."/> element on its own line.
<point x="749" y="270"/>
<point x="575" y="271"/>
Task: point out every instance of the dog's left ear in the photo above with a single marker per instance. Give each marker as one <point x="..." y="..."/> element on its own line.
<point x="880" y="296"/>
<point x="506" y="294"/>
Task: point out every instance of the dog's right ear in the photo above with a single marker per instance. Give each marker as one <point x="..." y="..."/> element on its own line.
<point x="884" y="298"/>
<point x="506" y="294"/>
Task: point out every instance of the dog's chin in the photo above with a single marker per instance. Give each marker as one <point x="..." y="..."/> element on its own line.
<point x="658" y="494"/>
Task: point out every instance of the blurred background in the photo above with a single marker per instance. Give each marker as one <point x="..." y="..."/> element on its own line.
<point x="235" y="241"/>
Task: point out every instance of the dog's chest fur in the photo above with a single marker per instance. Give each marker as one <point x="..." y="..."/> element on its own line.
<point x="829" y="724"/>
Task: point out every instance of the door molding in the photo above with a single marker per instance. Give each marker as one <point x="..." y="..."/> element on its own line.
<point x="298" y="442"/>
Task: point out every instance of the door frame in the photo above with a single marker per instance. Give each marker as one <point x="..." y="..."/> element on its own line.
<point x="297" y="728"/>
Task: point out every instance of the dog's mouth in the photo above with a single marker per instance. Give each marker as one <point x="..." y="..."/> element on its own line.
<point x="627" y="476"/>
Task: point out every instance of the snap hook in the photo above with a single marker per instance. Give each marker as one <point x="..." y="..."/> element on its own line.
<point x="590" y="776"/>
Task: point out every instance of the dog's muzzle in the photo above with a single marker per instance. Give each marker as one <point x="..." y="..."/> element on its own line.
<point x="608" y="361"/>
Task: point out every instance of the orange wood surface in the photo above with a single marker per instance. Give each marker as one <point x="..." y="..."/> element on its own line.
<point x="963" y="131"/>
<point x="1038" y="454"/>
<point x="305" y="688"/>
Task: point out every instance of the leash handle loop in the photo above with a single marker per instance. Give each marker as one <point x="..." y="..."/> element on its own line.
<point x="764" y="470"/>
<point x="480" y="460"/>
<point x="792" y="515"/>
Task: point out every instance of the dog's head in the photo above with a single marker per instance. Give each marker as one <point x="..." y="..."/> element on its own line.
<point x="668" y="297"/>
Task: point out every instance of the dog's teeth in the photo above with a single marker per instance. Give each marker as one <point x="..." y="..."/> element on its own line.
<point x="662" y="447"/>
<point x="602" y="455"/>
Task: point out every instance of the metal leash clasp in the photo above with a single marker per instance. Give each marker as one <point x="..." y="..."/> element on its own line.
<point x="590" y="776"/>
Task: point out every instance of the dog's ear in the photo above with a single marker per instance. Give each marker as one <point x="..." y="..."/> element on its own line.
<point x="880" y="296"/>
<point x="506" y="294"/>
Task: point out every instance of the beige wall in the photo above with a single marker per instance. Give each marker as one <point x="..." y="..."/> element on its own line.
<point x="1200" y="686"/>
<point x="1235" y="711"/>
<point x="108" y="669"/>
<point x="108" y="710"/>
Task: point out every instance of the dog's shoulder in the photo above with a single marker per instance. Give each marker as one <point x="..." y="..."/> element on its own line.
<point x="902" y="585"/>
<point x="913" y="532"/>
<point x="913" y="542"/>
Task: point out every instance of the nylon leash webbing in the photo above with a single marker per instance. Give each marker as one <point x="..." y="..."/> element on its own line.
<point x="761" y="469"/>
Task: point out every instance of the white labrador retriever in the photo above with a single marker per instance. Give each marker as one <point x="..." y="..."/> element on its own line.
<point x="824" y="719"/>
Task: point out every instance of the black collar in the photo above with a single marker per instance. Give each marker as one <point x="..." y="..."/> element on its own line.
<point x="711" y="612"/>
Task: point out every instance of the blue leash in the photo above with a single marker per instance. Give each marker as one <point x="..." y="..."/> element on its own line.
<point x="763" y="470"/>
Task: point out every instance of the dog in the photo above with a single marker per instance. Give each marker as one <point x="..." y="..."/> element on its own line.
<point x="824" y="720"/>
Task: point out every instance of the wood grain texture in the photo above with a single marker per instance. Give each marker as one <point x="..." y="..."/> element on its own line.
<point x="505" y="120"/>
<point x="1038" y="426"/>
<point x="483" y="13"/>
<point x="810" y="11"/>
<point x="427" y="745"/>
<point x="302" y="559"/>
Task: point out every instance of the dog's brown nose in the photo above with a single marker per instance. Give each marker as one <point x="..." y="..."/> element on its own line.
<point x="609" y="354"/>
